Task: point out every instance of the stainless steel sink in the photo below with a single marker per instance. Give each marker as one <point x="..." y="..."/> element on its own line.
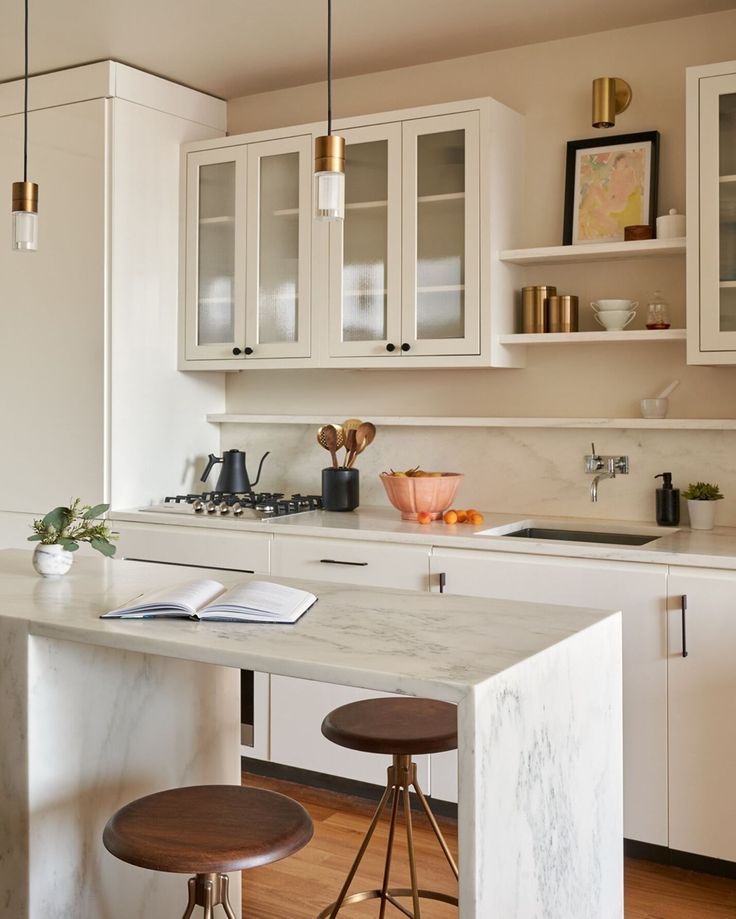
<point x="619" y="539"/>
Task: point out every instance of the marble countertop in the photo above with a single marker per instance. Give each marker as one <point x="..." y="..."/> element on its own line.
<point x="671" y="546"/>
<point x="389" y="640"/>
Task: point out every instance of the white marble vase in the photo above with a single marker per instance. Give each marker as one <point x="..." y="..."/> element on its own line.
<point x="702" y="514"/>
<point x="52" y="561"/>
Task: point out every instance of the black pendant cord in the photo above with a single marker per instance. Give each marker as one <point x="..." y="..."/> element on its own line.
<point x="25" y="100"/>
<point x="329" y="66"/>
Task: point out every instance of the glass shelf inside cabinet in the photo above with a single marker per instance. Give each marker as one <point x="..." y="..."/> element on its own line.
<point x="727" y="211"/>
<point x="441" y="235"/>
<point x="365" y="242"/>
<point x="216" y="256"/>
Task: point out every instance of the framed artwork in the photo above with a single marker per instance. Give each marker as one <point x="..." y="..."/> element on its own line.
<point x="610" y="183"/>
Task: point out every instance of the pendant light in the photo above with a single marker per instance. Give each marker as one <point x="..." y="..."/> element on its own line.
<point x="25" y="193"/>
<point x="329" y="154"/>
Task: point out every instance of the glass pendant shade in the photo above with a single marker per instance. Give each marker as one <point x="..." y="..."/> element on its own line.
<point x="25" y="216"/>
<point x="329" y="177"/>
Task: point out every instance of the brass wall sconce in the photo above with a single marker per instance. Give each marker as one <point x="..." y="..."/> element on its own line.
<point x="611" y="96"/>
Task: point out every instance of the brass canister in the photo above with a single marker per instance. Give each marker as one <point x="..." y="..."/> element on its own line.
<point x="533" y="312"/>
<point x="562" y="313"/>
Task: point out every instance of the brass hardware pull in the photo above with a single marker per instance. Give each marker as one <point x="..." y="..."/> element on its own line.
<point x="683" y="610"/>
<point x="335" y="561"/>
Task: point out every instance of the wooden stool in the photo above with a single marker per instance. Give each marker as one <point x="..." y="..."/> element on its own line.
<point x="403" y="727"/>
<point x="206" y="830"/>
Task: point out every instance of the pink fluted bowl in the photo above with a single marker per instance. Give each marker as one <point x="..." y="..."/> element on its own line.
<point x="411" y="495"/>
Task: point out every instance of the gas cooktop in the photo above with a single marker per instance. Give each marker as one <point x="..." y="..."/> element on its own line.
<point x="246" y="506"/>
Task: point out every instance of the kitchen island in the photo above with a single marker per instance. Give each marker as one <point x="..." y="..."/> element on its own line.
<point x="97" y="712"/>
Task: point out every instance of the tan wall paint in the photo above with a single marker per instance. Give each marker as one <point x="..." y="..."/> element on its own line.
<point x="550" y="84"/>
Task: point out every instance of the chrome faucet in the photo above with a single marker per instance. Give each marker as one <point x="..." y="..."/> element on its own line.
<point x="604" y="467"/>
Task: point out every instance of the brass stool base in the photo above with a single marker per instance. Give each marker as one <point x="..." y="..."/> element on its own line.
<point x="209" y="891"/>
<point x="402" y="776"/>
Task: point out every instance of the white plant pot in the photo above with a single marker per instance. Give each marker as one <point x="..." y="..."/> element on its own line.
<point x="52" y="561"/>
<point x="702" y="514"/>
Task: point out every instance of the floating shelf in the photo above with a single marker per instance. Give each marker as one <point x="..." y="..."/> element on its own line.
<point x="727" y="179"/>
<point x="368" y="205"/>
<point x="594" y="252"/>
<point x="209" y="221"/>
<point x="653" y="424"/>
<point x="652" y="336"/>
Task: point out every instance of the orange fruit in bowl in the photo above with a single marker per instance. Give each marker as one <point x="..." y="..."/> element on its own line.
<point x="424" y="517"/>
<point x="450" y="516"/>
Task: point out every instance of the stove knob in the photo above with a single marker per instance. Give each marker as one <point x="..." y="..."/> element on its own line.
<point x="198" y="506"/>
<point x="211" y="507"/>
<point x="224" y="508"/>
<point x="237" y="508"/>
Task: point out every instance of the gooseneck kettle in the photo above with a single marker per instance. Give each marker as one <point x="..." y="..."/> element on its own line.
<point x="233" y="476"/>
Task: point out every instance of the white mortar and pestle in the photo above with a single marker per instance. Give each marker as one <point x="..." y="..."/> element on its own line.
<point x="657" y="407"/>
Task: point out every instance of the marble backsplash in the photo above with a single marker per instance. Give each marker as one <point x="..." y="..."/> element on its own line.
<point x="525" y="471"/>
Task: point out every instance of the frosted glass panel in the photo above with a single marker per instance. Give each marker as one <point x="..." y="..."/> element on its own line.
<point x="727" y="134"/>
<point x="365" y="242"/>
<point x="278" y="249"/>
<point x="441" y="235"/>
<point x="216" y="264"/>
<point x="727" y="211"/>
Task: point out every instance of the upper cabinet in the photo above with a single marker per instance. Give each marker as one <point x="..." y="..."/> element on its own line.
<point x="411" y="277"/>
<point x="711" y="209"/>
<point x="248" y="251"/>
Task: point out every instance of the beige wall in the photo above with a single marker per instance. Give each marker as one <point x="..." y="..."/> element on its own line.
<point x="550" y="84"/>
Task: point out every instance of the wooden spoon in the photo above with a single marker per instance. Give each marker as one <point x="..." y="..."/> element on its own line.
<point x="327" y="438"/>
<point x="365" y="435"/>
<point x="351" y="424"/>
<point x="350" y="446"/>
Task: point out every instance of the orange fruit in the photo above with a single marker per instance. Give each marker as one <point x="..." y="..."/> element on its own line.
<point x="461" y="516"/>
<point x="470" y="511"/>
<point x="476" y="518"/>
<point x="450" y="516"/>
<point x="424" y="517"/>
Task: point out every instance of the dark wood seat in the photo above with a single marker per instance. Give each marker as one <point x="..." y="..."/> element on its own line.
<point x="208" y="829"/>
<point x="397" y="726"/>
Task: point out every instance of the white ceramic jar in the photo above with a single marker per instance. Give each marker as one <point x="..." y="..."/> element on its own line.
<point x="52" y="561"/>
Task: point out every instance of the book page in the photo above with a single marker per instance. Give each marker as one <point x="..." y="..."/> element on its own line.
<point x="183" y="599"/>
<point x="263" y="599"/>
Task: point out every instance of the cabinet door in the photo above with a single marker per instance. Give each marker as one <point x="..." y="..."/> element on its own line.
<point x="702" y="699"/>
<point x="640" y="592"/>
<point x="215" y="253"/>
<point x="279" y="249"/>
<point x="365" y="249"/>
<point x="441" y="239"/>
<point x="717" y="243"/>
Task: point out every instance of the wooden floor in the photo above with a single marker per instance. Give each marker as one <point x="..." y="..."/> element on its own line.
<point x="300" y="886"/>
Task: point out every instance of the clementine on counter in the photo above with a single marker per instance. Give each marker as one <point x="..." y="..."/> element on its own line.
<point x="424" y="517"/>
<point x="450" y="516"/>
<point x="475" y="518"/>
<point x="461" y="516"/>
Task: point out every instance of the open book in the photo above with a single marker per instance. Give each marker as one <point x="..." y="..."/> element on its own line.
<point x="254" y="601"/>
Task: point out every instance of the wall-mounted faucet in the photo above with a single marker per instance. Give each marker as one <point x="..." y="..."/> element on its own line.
<point x="604" y="467"/>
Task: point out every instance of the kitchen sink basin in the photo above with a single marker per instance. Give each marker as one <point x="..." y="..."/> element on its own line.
<point x="619" y="539"/>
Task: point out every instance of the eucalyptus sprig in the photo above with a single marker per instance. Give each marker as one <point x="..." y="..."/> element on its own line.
<point x="69" y="526"/>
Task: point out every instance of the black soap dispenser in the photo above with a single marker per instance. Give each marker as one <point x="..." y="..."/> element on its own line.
<point x="668" y="501"/>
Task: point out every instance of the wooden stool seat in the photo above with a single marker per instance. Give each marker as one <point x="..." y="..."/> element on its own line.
<point x="397" y="726"/>
<point x="207" y="829"/>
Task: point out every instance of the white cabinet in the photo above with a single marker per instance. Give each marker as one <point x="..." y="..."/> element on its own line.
<point x="711" y="212"/>
<point x="405" y="262"/>
<point x="640" y="592"/>
<point x="299" y="706"/>
<point x="248" y="250"/>
<point x="702" y="700"/>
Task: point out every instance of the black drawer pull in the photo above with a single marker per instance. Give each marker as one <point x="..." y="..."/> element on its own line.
<point x="683" y="609"/>
<point x="335" y="561"/>
<point x="443" y="581"/>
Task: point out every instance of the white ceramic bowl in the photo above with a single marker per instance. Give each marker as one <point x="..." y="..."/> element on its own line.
<point x="654" y="408"/>
<point x="614" y="320"/>
<point x="605" y="305"/>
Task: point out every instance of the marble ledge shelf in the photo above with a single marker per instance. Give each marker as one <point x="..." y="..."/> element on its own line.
<point x="430" y="421"/>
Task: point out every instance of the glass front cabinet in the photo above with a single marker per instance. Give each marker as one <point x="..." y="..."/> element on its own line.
<point x="712" y="214"/>
<point x="248" y="251"/>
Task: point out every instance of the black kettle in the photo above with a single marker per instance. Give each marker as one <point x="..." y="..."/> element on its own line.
<point x="234" y="476"/>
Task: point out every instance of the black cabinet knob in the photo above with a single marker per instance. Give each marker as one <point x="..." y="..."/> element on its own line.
<point x="247" y="350"/>
<point x="406" y="346"/>
<point x="390" y="347"/>
<point x="236" y="351"/>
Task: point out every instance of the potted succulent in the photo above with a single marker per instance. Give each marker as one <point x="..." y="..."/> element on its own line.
<point x="60" y="532"/>
<point x="701" y="504"/>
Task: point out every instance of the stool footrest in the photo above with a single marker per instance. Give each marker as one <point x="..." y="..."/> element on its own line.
<point x="391" y="895"/>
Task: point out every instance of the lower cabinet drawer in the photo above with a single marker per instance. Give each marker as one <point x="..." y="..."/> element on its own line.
<point x="349" y="561"/>
<point x="195" y="546"/>
<point x="298" y="708"/>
